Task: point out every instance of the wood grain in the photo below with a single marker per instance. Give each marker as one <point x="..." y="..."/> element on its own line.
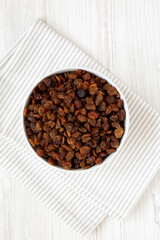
<point x="124" y="37"/>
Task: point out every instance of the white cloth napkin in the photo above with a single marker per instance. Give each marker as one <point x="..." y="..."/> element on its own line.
<point x="81" y="199"/>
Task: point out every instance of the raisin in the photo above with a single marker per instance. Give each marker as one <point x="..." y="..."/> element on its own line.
<point x="82" y="118"/>
<point x="105" y="126"/>
<point x="121" y="115"/>
<point x="117" y="95"/>
<point x="120" y="103"/>
<point x="50" y="116"/>
<point x="42" y="86"/>
<point x="98" y="99"/>
<point x="29" y="132"/>
<point x="40" y="152"/>
<point x="41" y="111"/>
<point x="31" y="117"/>
<point x="89" y="100"/>
<point x="39" y="126"/>
<point x="55" y="155"/>
<point x="84" y="111"/>
<point x="71" y="140"/>
<point x="86" y="138"/>
<point x="32" y="142"/>
<point x="98" y="149"/>
<point x="78" y="144"/>
<point x="61" y="95"/>
<point x="69" y="126"/>
<point x="115" y="124"/>
<point x="79" y="72"/>
<point x="110" y="150"/>
<point x="57" y="139"/>
<point x="119" y="132"/>
<point x="38" y="96"/>
<point x="47" y="82"/>
<point x="90" y="160"/>
<point x="72" y="75"/>
<point x="78" y="104"/>
<point x="85" y="85"/>
<point x="53" y="133"/>
<point x="92" y="121"/>
<point x="114" y="107"/>
<point x="108" y="110"/>
<point x="112" y="91"/>
<point x="50" y="147"/>
<point x="71" y="118"/>
<point x="93" y="89"/>
<point x="81" y="93"/>
<point x="103" y="154"/>
<point x="51" y="162"/>
<point x="82" y="164"/>
<point x="61" y="112"/>
<point x="115" y="144"/>
<point x="82" y="129"/>
<point x="102" y="145"/>
<point x="51" y="124"/>
<point x="76" y="163"/>
<point x="109" y="99"/>
<point x="102" y="107"/>
<point x="76" y="134"/>
<point x="67" y="165"/>
<point x="46" y="127"/>
<point x="69" y="155"/>
<point x="86" y="76"/>
<point x="98" y="124"/>
<point x="25" y="112"/>
<point x="68" y="100"/>
<point x="90" y="106"/>
<point x="67" y="148"/>
<point x="87" y="127"/>
<point x="93" y="115"/>
<point x="30" y="108"/>
<point x="54" y="80"/>
<point x="114" y="117"/>
<point x="98" y="161"/>
<point x="85" y="150"/>
<point x="79" y="156"/>
<point x="37" y="116"/>
<point x="106" y="86"/>
<point x="95" y="130"/>
<point x="58" y="124"/>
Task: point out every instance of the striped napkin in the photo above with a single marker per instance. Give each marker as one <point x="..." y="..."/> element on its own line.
<point x="81" y="199"/>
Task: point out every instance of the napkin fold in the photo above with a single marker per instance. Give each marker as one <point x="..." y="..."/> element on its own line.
<point x="81" y="199"/>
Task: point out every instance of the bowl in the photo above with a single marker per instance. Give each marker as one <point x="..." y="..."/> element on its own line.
<point x="126" y="122"/>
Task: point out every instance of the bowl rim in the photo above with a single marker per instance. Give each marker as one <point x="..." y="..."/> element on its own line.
<point x="98" y="74"/>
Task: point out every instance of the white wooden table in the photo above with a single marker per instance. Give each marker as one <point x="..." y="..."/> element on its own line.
<point x="123" y="36"/>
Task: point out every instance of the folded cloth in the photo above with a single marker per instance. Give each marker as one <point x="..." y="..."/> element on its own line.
<point x="81" y="199"/>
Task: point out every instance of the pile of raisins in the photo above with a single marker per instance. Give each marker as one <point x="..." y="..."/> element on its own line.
<point x="74" y="119"/>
